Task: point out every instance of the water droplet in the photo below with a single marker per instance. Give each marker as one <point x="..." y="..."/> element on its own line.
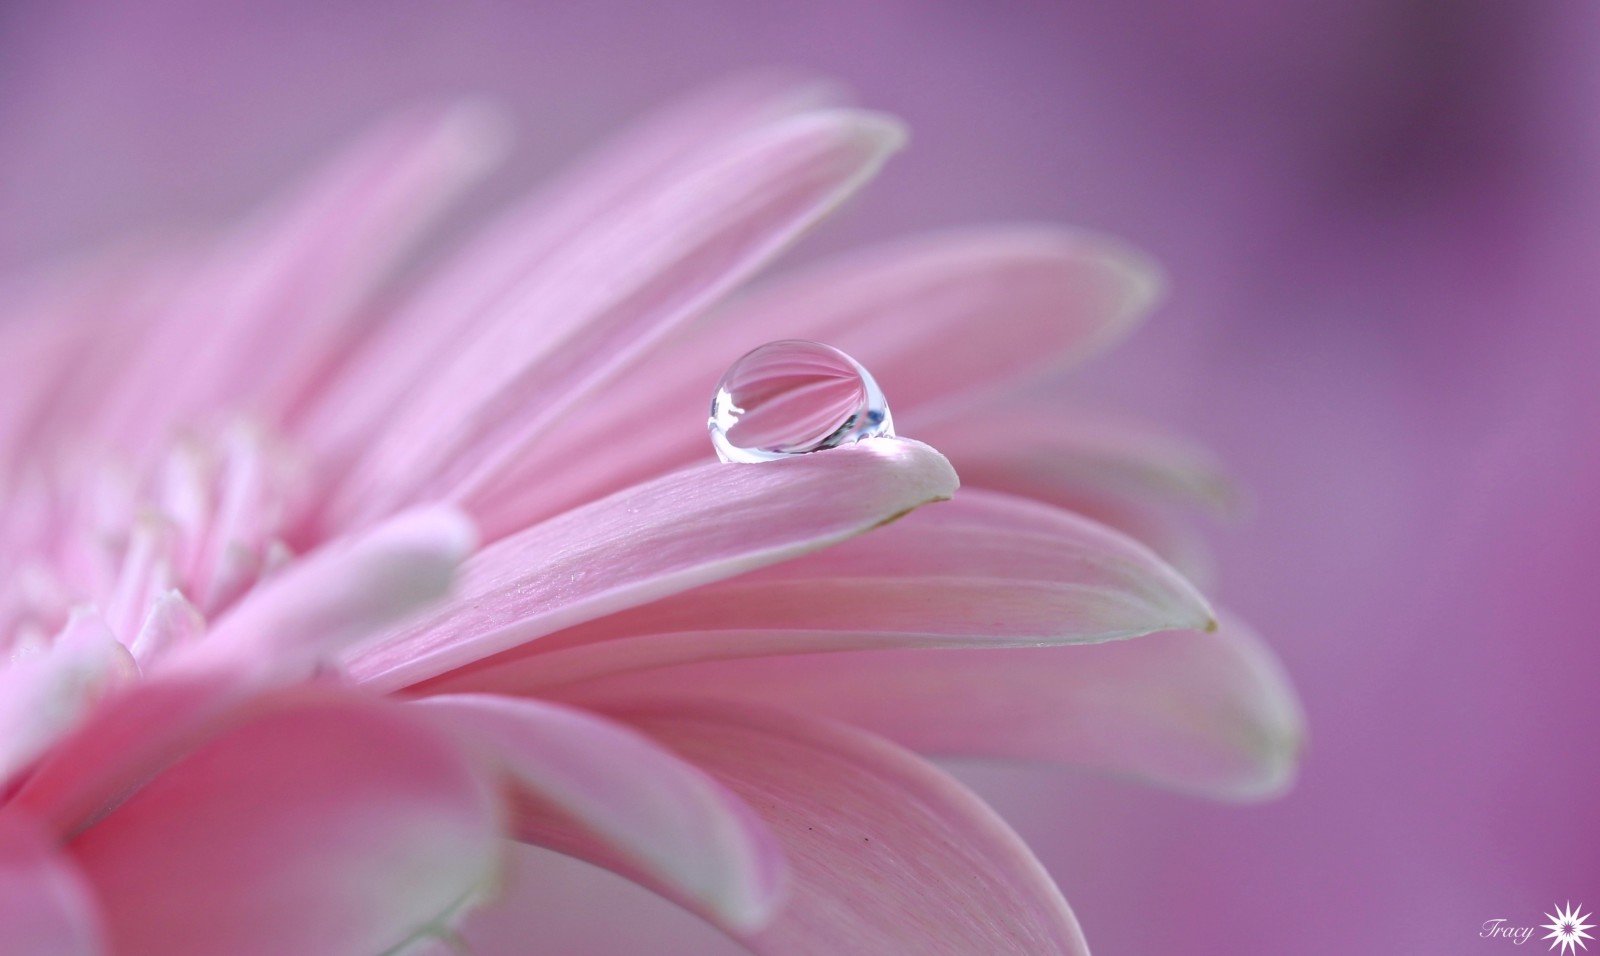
<point x="794" y="397"/>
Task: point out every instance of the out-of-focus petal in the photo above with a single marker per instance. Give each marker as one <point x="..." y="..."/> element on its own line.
<point x="606" y="298"/>
<point x="466" y="289"/>
<point x="46" y="907"/>
<point x="1210" y="713"/>
<point x="932" y="319"/>
<point x="289" y="624"/>
<point x="984" y="570"/>
<point x="43" y="695"/>
<point x="65" y="328"/>
<point x="1170" y="533"/>
<point x="680" y="531"/>
<point x="171" y="623"/>
<point x="119" y="746"/>
<point x="282" y="633"/>
<point x="128" y="739"/>
<point x="1019" y="448"/>
<point x="939" y="316"/>
<point x="332" y="827"/>
<point x="600" y="791"/>
<point x="887" y="853"/>
<point x="266" y="315"/>
<point x="1123" y="473"/>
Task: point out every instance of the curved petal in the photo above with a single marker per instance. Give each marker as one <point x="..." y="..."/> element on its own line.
<point x="1018" y="448"/>
<point x="264" y="317"/>
<point x="888" y="854"/>
<point x="330" y="827"/>
<point x="466" y="288"/>
<point x="1212" y="714"/>
<point x="685" y="529"/>
<point x="938" y="316"/>
<point x="1119" y="472"/>
<point x="1171" y="535"/>
<point x="553" y="903"/>
<point x="984" y="570"/>
<point x="44" y="695"/>
<point x="288" y="625"/>
<point x="46" y="907"/>
<point x="597" y="790"/>
<point x="127" y="740"/>
<point x="608" y="296"/>
<point x="67" y="330"/>
<point x="932" y="318"/>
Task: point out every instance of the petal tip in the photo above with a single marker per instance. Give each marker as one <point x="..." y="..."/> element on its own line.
<point x="1272" y="722"/>
<point x="934" y="476"/>
<point x="869" y="138"/>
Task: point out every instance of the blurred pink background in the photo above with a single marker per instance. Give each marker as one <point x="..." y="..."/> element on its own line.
<point x="1382" y="224"/>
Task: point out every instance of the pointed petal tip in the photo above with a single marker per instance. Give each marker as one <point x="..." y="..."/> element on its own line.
<point x="1153" y="596"/>
<point x="1141" y="276"/>
<point x="932" y="478"/>
<point x="1271" y="724"/>
<point x="1279" y="753"/>
<point x="479" y="132"/>
<point x="1147" y="280"/>
<point x="1138" y="282"/>
<point x="1139" y="273"/>
<point x="1135" y="282"/>
<point x="872" y="137"/>
<point x="1170" y="600"/>
<point x="883" y="132"/>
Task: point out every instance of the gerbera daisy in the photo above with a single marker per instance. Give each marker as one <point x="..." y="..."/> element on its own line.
<point x="318" y="586"/>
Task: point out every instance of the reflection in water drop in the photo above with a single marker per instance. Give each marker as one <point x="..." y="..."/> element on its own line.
<point x="793" y="397"/>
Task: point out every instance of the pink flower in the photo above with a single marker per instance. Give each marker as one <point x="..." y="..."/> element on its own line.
<point x="241" y="716"/>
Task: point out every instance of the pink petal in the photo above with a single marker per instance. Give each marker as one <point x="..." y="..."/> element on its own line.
<point x="42" y="696"/>
<point x="605" y="299"/>
<point x="172" y="622"/>
<point x="466" y="289"/>
<point x="995" y="303"/>
<point x="1019" y="448"/>
<point x="38" y="358"/>
<point x="46" y="907"/>
<point x="602" y="792"/>
<point x="1207" y="713"/>
<point x="128" y="739"/>
<point x="887" y="853"/>
<point x="931" y="319"/>
<point x="984" y="570"/>
<point x="1170" y="534"/>
<point x="683" y="530"/>
<point x="327" y="827"/>
<point x="67" y="331"/>
<point x="266" y="316"/>
<point x="343" y="592"/>
<point x="552" y="903"/>
<point x="1118" y="472"/>
<point x="282" y="633"/>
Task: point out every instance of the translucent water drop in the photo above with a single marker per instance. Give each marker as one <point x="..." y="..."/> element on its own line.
<point x="794" y="397"/>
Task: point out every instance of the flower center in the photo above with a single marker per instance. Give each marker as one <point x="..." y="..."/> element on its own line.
<point x="151" y="554"/>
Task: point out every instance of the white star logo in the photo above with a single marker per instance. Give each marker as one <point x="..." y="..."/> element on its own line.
<point x="1567" y="928"/>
